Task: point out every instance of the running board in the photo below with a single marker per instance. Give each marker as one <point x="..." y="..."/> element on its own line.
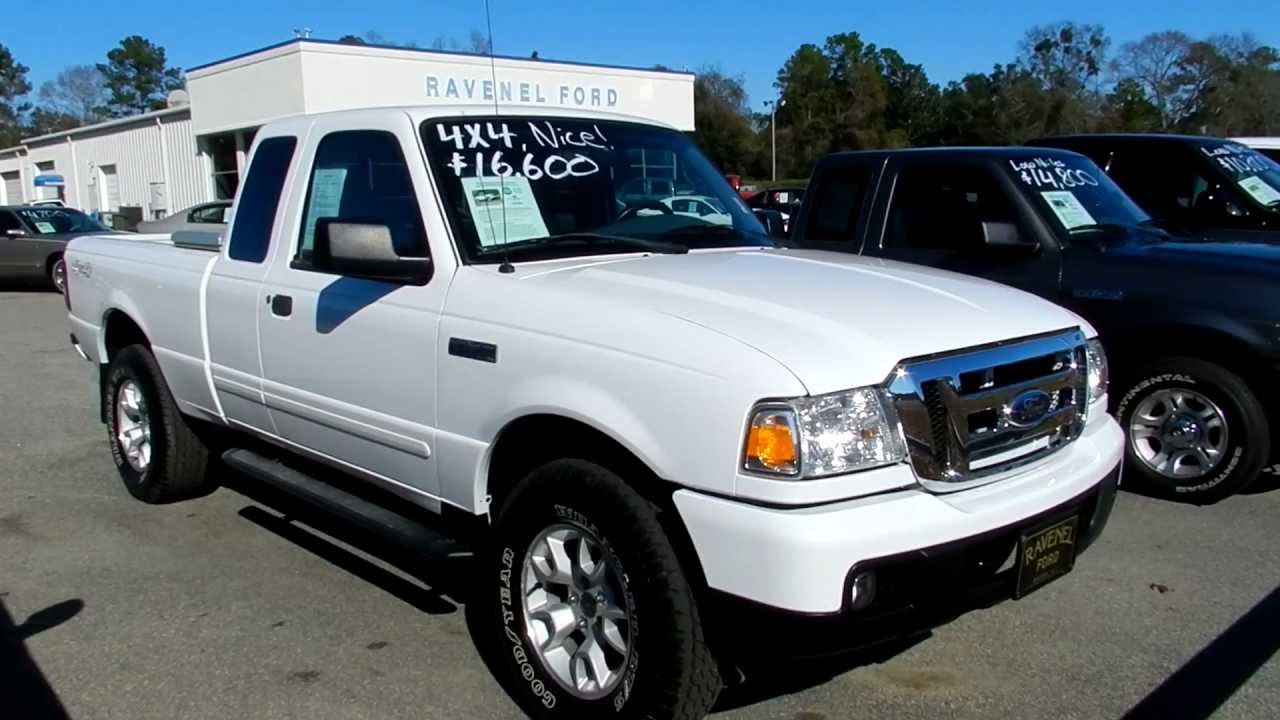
<point x="375" y="518"/>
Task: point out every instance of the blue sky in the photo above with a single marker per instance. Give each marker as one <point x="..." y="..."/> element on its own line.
<point x="749" y="38"/>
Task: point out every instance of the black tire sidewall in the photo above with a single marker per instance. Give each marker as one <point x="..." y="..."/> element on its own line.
<point x="129" y="365"/>
<point x="534" y="688"/>
<point x="53" y="273"/>
<point x="1248" y="433"/>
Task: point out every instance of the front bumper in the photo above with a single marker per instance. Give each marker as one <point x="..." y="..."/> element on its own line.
<point x="802" y="560"/>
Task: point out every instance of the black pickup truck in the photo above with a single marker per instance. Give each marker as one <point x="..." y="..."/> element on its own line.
<point x="1192" y="327"/>
<point x="1206" y="187"/>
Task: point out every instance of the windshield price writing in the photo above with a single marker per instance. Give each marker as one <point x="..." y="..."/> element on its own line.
<point x="535" y="151"/>
<point x="1048" y="172"/>
<point x="1238" y="160"/>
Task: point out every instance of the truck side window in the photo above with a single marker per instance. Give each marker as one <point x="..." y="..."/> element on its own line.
<point x="362" y="175"/>
<point x="943" y="207"/>
<point x="1163" y="181"/>
<point x="260" y="198"/>
<point x="837" y="202"/>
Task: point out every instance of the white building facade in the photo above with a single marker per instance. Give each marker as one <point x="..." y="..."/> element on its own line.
<point x="170" y="159"/>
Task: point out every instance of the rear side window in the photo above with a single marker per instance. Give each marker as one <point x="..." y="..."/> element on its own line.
<point x="260" y="198"/>
<point x="361" y="175"/>
<point x="837" y="203"/>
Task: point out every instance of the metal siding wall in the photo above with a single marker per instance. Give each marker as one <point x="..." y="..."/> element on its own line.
<point x="185" y="170"/>
<point x="134" y="150"/>
<point x="56" y="152"/>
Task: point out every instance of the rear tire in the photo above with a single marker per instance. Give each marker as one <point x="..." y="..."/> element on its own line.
<point x="665" y="668"/>
<point x="158" y="455"/>
<point x="58" y="274"/>
<point x="1195" y="431"/>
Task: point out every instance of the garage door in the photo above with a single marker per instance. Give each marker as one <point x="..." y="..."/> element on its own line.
<point x="12" y="188"/>
<point x="110" y="187"/>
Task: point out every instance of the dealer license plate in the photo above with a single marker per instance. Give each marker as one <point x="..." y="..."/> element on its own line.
<point x="1046" y="554"/>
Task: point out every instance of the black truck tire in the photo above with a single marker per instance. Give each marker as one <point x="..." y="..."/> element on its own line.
<point x="170" y="462"/>
<point x="1185" y="401"/>
<point x="57" y="273"/>
<point x="668" y="670"/>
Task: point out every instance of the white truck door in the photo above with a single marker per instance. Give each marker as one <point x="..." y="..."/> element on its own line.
<point x="234" y="297"/>
<point x="349" y="363"/>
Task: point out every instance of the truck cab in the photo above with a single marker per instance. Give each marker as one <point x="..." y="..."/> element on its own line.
<point x="1194" y="362"/>
<point x="1205" y="187"/>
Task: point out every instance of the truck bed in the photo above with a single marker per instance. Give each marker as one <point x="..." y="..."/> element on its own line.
<point x="163" y="298"/>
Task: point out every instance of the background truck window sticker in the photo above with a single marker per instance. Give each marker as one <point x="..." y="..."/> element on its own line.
<point x="325" y="201"/>
<point x="495" y="201"/>
<point x="45" y="227"/>
<point x="1259" y="189"/>
<point x="1070" y="212"/>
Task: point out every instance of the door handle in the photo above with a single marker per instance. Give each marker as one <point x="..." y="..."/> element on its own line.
<point x="281" y="305"/>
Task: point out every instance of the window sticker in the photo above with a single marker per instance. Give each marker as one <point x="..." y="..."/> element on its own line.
<point x="503" y="209"/>
<point x="1259" y="189"/>
<point x="45" y="227"/>
<point x="326" y="199"/>
<point x="1070" y="212"/>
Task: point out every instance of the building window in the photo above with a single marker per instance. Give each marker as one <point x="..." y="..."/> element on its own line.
<point x="226" y="171"/>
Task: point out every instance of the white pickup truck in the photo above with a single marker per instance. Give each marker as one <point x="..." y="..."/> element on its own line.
<point x="644" y="412"/>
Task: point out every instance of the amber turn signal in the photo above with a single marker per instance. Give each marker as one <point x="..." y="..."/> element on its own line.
<point x="772" y="442"/>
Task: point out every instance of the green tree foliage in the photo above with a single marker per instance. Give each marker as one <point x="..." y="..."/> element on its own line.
<point x="13" y="86"/>
<point x="137" y="77"/>
<point x="723" y="122"/>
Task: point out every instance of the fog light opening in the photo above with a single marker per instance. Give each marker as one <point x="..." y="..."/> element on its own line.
<point x="862" y="591"/>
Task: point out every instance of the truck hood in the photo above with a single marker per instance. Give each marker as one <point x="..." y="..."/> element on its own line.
<point x="834" y="320"/>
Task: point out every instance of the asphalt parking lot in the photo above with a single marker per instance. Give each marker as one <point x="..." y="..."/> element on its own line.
<point x="241" y="605"/>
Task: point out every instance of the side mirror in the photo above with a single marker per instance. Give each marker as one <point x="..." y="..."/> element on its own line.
<point x="1005" y="236"/>
<point x="365" y="250"/>
<point x="772" y="222"/>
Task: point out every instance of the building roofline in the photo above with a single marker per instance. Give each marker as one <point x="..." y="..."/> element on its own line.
<point x="150" y="115"/>
<point x="302" y="42"/>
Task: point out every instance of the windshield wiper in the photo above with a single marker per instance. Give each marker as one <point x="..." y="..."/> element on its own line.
<point x="588" y="238"/>
<point x="1147" y="226"/>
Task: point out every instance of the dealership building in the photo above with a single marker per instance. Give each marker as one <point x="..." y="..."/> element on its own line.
<point x="195" y="150"/>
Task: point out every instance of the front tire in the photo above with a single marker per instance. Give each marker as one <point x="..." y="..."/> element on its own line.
<point x="591" y="613"/>
<point x="1195" y="431"/>
<point x="159" y="457"/>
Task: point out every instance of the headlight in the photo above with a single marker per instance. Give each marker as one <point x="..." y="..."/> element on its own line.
<point x="1099" y="374"/>
<point x="826" y="435"/>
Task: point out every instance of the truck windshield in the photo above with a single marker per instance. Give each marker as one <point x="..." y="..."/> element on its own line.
<point x="525" y="188"/>
<point x="1249" y="170"/>
<point x="1072" y="192"/>
<point x="55" y="220"/>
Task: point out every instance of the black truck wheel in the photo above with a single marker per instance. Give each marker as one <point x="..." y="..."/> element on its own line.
<point x="587" y="609"/>
<point x="1195" y="431"/>
<point x="159" y="457"/>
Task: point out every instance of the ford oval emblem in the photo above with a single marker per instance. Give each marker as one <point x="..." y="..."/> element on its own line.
<point x="1028" y="408"/>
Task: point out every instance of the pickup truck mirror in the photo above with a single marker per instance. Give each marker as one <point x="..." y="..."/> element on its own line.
<point x="1005" y="236"/>
<point x="365" y="250"/>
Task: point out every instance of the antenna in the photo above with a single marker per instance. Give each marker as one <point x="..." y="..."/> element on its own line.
<point x="506" y="266"/>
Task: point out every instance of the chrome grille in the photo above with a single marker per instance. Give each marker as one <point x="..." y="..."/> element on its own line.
<point x="975" y="413"/>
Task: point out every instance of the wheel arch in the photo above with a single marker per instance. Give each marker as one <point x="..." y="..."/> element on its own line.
<point x="531" y="440"/>
<point x="120" y="330"/>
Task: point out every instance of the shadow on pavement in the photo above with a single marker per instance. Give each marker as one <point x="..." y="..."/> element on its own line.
<point x="24" y="690"/>
<point x="443" y="583"/>
<point x="765" y="681"/>
<point x="1206" y="681"/>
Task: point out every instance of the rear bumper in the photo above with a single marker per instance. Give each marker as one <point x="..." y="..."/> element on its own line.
<point x="802" y="560"/>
